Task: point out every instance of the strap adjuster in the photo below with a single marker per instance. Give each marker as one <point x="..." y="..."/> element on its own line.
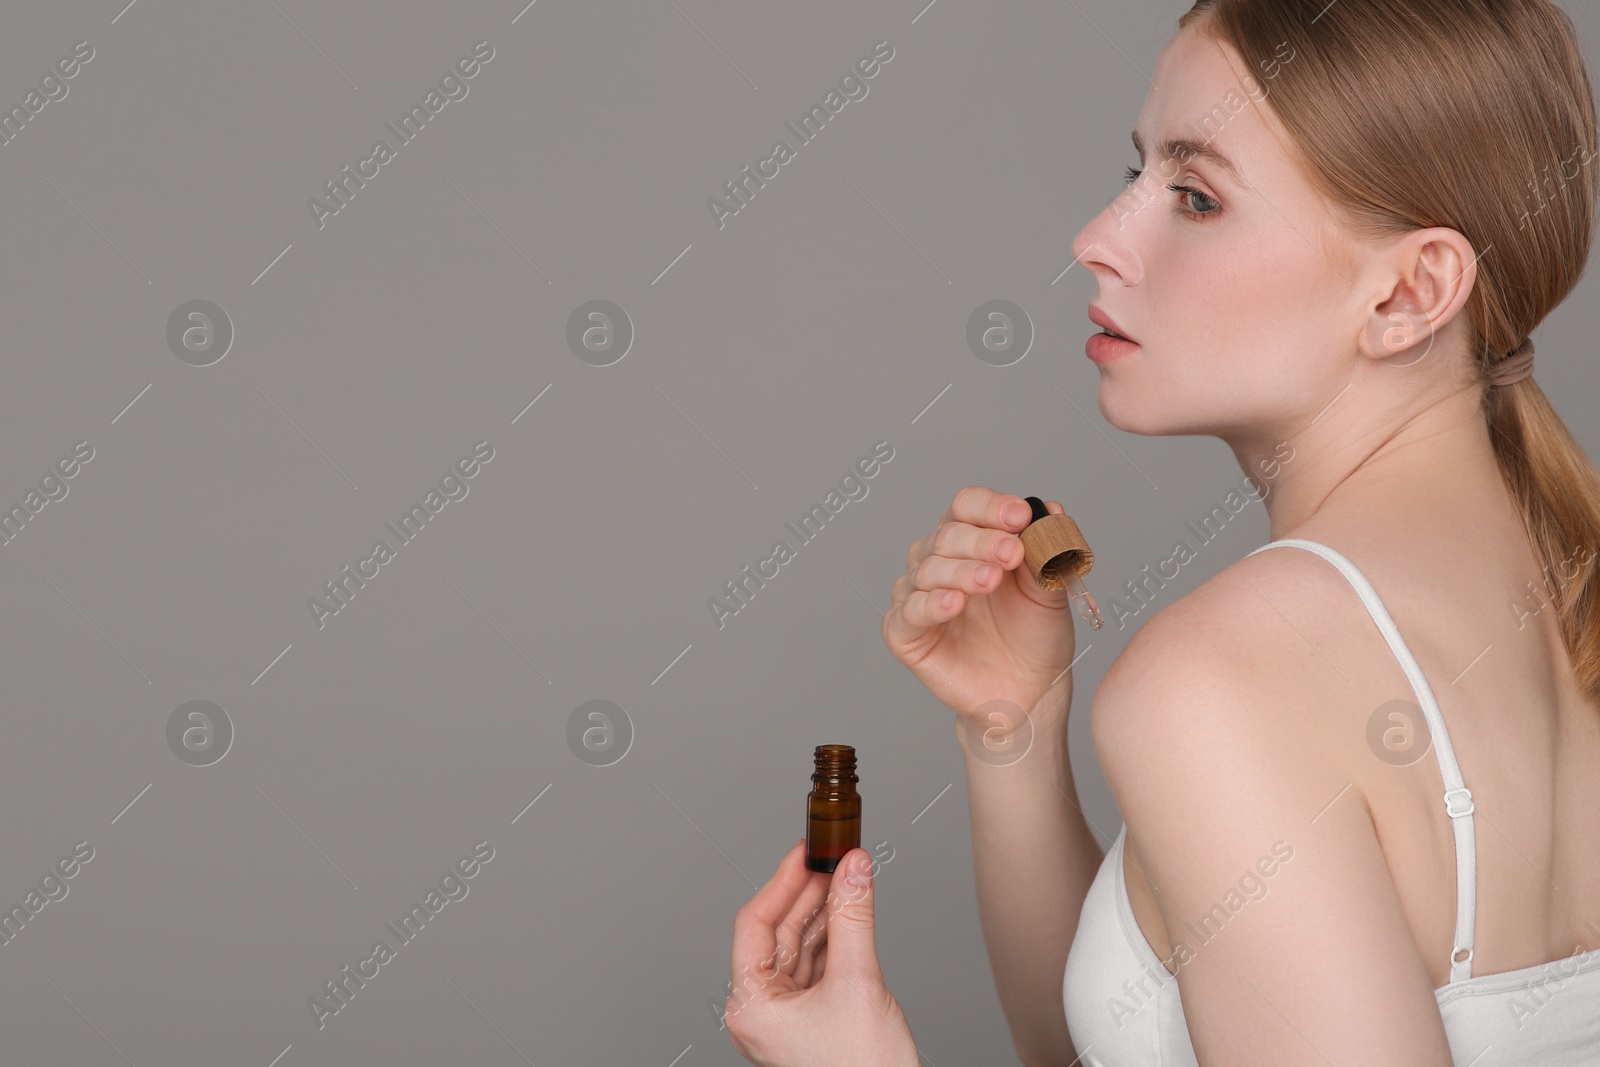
<point x="1449" y="807"/>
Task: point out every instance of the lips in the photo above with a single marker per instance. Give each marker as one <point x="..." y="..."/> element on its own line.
<point x="1107" y="323"/>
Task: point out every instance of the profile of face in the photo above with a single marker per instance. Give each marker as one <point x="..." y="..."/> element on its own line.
<point x="1248" y="302"/>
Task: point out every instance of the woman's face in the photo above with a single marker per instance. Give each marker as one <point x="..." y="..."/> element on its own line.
<point x="1244" y="327"/>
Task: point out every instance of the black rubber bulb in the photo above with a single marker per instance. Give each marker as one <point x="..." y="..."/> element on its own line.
<point x="1039" y="510"/>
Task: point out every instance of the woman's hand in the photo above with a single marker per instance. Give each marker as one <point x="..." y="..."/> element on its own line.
<point x="807" y="989"/>
<point x="973" y="635"/>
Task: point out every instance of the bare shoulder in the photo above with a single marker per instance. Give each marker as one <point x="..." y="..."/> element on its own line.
<point x="1249" y="648"/>
<point x="1223" y="730"/>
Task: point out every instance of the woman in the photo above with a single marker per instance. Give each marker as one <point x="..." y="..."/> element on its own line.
<point x="1405" y="193"/>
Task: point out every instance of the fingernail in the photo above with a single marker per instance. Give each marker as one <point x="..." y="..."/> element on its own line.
<point x="984" y="573"/>
<point x="861" y="876"/>
<point x="1016" y="513"/>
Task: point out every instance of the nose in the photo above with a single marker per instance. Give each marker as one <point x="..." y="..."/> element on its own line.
<point x="1105" y="244"/>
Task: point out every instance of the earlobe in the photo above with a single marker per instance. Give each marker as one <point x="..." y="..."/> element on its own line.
<point x="1398" y="333"/>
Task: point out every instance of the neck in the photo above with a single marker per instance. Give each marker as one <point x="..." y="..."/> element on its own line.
<point x="1356" y="450"/>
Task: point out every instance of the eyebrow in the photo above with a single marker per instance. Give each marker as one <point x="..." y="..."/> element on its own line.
<point x="1186" y="148"/>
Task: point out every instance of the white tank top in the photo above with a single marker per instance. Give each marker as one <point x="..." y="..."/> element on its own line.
<point x="1122" y="1004"/>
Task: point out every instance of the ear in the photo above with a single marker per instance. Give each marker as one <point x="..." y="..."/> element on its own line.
<point x="1427" y="278"/>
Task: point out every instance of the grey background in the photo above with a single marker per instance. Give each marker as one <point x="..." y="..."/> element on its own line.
<point x="425" y="317"/>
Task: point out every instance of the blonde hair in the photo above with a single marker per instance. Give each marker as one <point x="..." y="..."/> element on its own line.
<point x="1472" y="115"/>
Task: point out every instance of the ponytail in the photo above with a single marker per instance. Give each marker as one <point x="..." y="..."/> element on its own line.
<point x="1559" y="490"/>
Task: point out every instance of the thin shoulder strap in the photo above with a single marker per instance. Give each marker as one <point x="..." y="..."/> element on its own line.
<point x="1457" y="798"/>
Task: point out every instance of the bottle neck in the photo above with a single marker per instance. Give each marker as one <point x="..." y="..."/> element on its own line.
<point x="835" y="775"/>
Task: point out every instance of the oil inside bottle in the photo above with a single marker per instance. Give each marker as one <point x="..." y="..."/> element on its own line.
<point x="833" y="808"/>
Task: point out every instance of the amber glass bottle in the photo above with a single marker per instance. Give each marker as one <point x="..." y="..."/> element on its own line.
<point x="833" y="808"/>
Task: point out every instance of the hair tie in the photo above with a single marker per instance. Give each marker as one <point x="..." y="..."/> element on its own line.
<point x="1515" y="367"/>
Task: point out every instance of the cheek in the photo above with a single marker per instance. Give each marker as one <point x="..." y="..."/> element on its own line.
<point x="1206" y="299"/>
<point x="1232" y="322"/>
<point x="1230" y="302"/>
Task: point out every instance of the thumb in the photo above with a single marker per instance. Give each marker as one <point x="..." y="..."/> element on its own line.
<point x="852" y="950"/>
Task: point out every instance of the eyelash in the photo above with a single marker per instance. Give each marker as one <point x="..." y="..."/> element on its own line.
<point x="1132" y="175"/>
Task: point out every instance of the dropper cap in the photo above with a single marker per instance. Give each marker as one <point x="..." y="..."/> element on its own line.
<point x="1058" y="555"/>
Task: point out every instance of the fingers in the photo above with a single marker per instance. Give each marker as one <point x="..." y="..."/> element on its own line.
<point x="958" y="557"/>
<point x="981" y="575"/>
<point x="814" y="943"/>
<point x="802" y="931"/>
<point x="819" y="967"/>
<point x="975" y="512"/>
<point x="967" y="554"/>
<point x="852" y="946"/>
<point x="907" y="622"/>
<point x="981" y="506"/>
<point x="979" y="524"/>
<point x="929" y="594"/>
<point x="960" y="540"/>
<point x="755" y="935"/>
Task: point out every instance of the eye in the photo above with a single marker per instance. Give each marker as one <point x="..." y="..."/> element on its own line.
<point x="1204" y="206"/>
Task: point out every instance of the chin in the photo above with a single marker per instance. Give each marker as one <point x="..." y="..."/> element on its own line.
<point x="1145" y="415"/>
<point x="1128" y="417"/>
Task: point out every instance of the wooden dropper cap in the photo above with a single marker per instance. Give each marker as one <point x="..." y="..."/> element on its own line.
<point x="1051" y="544"/>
